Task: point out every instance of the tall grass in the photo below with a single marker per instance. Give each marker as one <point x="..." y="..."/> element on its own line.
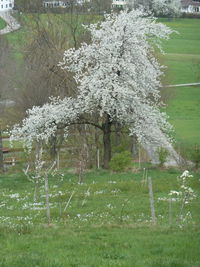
<point x="106" y="224"/>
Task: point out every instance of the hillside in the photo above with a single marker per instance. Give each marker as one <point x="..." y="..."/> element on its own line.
<point x="2" y="23"/>
<point x="183" y="61"/>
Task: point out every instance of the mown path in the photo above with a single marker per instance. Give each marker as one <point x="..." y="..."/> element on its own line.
<point x="12" y="24"/>
<point x="182" y="85"/>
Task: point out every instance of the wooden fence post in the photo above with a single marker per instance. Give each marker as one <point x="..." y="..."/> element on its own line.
<point x="152" y="207"/>
<point x="47" y="198"/>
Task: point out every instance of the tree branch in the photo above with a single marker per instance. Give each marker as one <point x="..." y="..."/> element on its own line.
<point x="81" y="123"/>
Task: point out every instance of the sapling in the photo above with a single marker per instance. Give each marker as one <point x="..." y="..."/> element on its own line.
<point x="41" y="174"/>
<point x="46" y="180"/>
<point x="87" y="194"/>
<point x="126" y="201"/>
<point x="38" y="173"/>
<point x="162" y="154"/>
<point x="69" y="200"/>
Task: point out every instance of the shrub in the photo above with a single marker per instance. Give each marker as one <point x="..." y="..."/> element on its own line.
<point x="190" y="15"/>
<point x="195" y="156"/>
<point x="162" y="155"/>
<point x="120" y="161"/>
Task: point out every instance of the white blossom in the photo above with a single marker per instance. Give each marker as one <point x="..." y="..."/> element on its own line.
<point x="176" y="193"/>
<point x="16" y="195"/>
<point x="186" y="174"/>
<point x="167" y="7"/>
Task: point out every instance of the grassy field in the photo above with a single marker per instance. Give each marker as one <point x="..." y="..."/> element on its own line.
<point x="183" y="61"/>
<point x="107" y="223"/>
<point x="2" y="23"/>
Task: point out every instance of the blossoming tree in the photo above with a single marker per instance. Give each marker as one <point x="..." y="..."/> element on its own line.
<point x="171" y="8"/>
<point x="118" y="80"/>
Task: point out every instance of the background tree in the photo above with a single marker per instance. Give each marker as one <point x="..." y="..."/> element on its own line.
<point x="39" y="77"/>
<point x="117" y="78"/>
<point x="100" y="6"/>
<point x="29" y="5"/>
<point x="1" y="152"/>
<point x="32" y="75"/>
<point x="5" y="88"/>
<point x="167" y="8"/>
<point x="146" y="4"/>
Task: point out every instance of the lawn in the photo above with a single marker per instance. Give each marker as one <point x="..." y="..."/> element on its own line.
<point x="183" y="61"/>
<point x="2" y="24"/>
<point x="106" y="224"/>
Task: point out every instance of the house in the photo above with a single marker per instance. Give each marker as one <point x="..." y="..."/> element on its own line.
<point x="81" y="2"/>
<point x="54" y="3"/>
<point x="187" y="6"/>
<point x="190" y="6"/>
<point x="6" y="5"/>
<point x="63" y="4"/>
<point x="119" y="3"/>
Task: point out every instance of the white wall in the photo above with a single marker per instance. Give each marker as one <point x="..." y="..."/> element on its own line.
<point x="119" y="3"/>
<point x="191" y="9"/>
<point x="6" y="5"/>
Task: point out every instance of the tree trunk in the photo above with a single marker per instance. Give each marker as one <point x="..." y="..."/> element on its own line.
<point x="134" y="146"/>
<point x="107" y="142"/>
<point x="97" y="148"/>
<point x="117" y="134"/>
<point x="53" y="147"/>
<point x="1" y="154"/>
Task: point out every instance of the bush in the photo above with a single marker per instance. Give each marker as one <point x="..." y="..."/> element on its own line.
<point x="162" y="155"/>
<point x="195" y="156"/>
<point x="190" y="15"/>
<point x="120" y="161"/>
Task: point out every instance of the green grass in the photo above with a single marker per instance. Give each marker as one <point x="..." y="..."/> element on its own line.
<point x="110" y="226"/>
<point x="2" y="24"/>
<point x="183" y="61"/>
<point x="184" y="114"/>
<point x="104" y="246"/>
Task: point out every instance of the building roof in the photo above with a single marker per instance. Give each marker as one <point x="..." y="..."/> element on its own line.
<point x="186" y="3"/>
